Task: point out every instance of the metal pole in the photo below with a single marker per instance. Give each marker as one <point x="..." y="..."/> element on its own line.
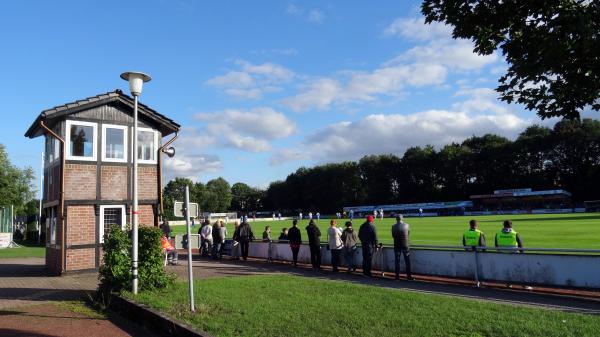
<point x="41" y="197"/>
<point x="477" y="283"/>
<point x="189" y="247"/>
<point x="135" y="212"/>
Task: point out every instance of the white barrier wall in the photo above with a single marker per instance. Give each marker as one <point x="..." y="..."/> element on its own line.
<point x="529" y="268"/>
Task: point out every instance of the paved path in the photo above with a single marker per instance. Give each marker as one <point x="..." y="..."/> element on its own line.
<point x="204" y="268"/>
<point x="28" y="303"/>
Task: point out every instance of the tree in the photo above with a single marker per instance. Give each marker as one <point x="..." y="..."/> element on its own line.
<point x="16" y="185"/>
<point x="246" y="198"/>
<point x="218" y="195"/>
<point x="552" y="48"/>
<point x="175" y="191"/>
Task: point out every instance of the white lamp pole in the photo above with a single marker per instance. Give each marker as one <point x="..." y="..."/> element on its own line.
<point x="136" y="81"/>
<point x="41" y="197"/>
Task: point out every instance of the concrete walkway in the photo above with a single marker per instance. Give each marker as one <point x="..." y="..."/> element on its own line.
<point x="204" y="268"/>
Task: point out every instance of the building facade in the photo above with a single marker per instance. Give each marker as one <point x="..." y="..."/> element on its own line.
<point x="88" y="174"/>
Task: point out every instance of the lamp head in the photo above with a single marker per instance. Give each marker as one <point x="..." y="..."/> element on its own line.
<point x="170" y="152"/>
<point x="136" y="81"/>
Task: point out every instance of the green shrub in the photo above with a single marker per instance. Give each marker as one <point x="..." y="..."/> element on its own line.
<point x="151" y="271"/>
<point x="115" y="271"/>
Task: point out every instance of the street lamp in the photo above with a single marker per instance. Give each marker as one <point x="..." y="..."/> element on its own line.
<point x="136" y="81"/>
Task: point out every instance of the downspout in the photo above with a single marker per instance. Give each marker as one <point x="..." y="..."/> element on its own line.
<point x="61" y="195"/>
<point x="160" y="189"/>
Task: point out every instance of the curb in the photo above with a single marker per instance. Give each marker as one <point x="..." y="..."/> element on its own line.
<point x="153" y="320"/>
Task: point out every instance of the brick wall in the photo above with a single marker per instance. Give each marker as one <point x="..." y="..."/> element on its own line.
<point x="81" y="225"/>
<point x="146" y="215"/>
<point x="147" y="183"/>
<point x="78" y="259"/>
<point x="113" y="182"/>
<point x="80" y="182"/>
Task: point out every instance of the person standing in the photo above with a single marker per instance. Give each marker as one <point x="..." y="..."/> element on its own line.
<point x="279" y="216"/>
<point x="509" y="238"/>
<point x="223" y="232"/>
<point x="300" y="215"/>
<point x="381" y="212"/>
<point x="400" y="233"/>
<point x="473" y="237"/>
<point x="193" y="223"/>
<point x="273" y="216"/>
<point x="349" y="238"/>
<point x="295" y="238"/>
<point x="206" y="235"/>
<point x="351" y="214"/>
<point x="245" y="235"/>
<point x="217" y="240"/>
<point x="335" y="243"/>
<point x="266" y="236"/>
<point x="235" y="248"/>
<point x="314" y="242"/>
<point x="310" y="215"/>
<point x="368" y="239"/>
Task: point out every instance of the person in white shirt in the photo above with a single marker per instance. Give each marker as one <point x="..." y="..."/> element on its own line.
<point x="318" y="216"/>
<point x="279" y="216"/>
<point x="335" y="244"/>
<point x="273" y="216"/>
<point x="381" y="212"/>
<point x="206" y="235"/>
<point x="300" y="215"/>
<point x="310" y="215"/>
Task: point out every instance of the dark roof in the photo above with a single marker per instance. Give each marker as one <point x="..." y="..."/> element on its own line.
<point x="167" y="125"/>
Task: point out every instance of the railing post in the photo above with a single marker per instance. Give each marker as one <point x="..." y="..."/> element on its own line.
<point x="477" y="283"/>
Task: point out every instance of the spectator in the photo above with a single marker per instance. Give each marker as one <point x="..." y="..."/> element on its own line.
<point x="172" y="254"/>
<point x="202" y="252"/>
<point x="207" y="239"/>
<point x="368" y="239"/>
<point x="473" y="237"/>
<point x="349" y="238"/>
<point x="318" y="216"/>
<point x="334" y="235"/>
<point x="400" y="233"/>
<point x="283" y="237"/>
<point x="235" y="247"/>
<point x="217" y="240"/>
<point x="509" y="238"/>
<point x="314" y="242"/>
<point x="245" y="235"/>
<point x="223" y="232"/>
<point x="266" y="236"/>
<point x="165" y="228"/>
<point x="295" y="238"/>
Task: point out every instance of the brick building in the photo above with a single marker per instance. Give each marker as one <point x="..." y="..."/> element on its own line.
<point x="88" y="174"/>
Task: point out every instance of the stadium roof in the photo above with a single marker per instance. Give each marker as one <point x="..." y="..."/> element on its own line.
<point x="415" y="206"/>
<point x="520" y="193"/>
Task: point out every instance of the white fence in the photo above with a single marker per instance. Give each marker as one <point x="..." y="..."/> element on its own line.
<point x="578" y="268"/>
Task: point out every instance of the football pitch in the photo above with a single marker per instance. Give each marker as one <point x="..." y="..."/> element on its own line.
<point x="576" y="230"/>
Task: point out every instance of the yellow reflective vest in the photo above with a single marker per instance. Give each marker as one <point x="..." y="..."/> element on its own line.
<point x="507" y="239"/>
<point x="472" y="237"/>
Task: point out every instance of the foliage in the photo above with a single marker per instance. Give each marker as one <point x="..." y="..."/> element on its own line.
<point x="16" y="185"/>
<point x="151" y="272"/>
<point x="245" y="198"/>
<point x="215" y="196"/>
<point x="285" y="305"/>
<point x="552" y="48"/>
<point x="115" y="271"/>
<point x="175" y="191"/>
<point x="567" y="156"/>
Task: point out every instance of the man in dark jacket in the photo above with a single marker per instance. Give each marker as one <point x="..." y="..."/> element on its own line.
<point x="217" y="240"/>
<point x="295" y="238"/>
<point x="314" y="242"/>
<point x="166" y="229"/>
<point x="400" y="233"/>
<point x="245" y="235"/>
<point x="368" y="238"/>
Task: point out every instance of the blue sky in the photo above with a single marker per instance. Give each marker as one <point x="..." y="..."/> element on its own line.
<point x="261" y="87"/>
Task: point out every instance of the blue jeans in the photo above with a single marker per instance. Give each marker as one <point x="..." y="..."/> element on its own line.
<point x="216" y="250"/>
<point x="349" y="254"/>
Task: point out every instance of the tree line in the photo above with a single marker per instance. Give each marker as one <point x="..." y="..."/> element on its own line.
<point x="16" y="186"/>
<point x="566" y="156"/>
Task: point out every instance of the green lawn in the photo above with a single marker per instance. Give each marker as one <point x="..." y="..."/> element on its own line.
<point x="540" y="231"/>
<point x="26" y="250"/>
<point x="299" y="306"/>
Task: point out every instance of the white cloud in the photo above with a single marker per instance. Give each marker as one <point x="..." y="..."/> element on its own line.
<point x="478" y="114"/>
<point x="251" y="81"/>
<point x="313" y="15"/>
<point x="190" y="165"/>
<point x="417" y="29"/>
<point x="316" y="16"/>
<point x="319" y="93"/>
<point x="248" y="130"/>
<point x="294" y="10"/>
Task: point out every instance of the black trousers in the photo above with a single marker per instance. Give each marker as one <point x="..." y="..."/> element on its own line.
<point x="295" y="251"/>
<point x="367" y="252"/>
<point x="315" y="256"/>
<point x="406" y="253"/>
<point x="244" y="245"/>
<point x="335" y="258"/>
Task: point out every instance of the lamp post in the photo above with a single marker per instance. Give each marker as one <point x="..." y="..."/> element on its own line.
<point x="136" y="81"/>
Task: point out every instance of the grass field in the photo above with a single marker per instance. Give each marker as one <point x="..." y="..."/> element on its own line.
<point x="299" y="306"/>
<point x="540" y="231"/>
<point x="26" y="250"/>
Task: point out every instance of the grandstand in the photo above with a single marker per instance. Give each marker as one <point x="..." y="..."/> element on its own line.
<point x="428" y="208"/>
<point x="524" y="200"/>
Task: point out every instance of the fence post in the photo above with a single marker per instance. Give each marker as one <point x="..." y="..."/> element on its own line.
<point x="477" y="283"/>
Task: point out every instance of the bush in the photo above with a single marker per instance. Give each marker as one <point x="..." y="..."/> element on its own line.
<point x="115" y="272"/>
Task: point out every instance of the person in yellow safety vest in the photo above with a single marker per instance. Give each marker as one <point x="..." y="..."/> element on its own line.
<point x="508" y="237"/>
<point x="473" y="237"/>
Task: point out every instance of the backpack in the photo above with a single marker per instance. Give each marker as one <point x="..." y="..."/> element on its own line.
<point x="244" y="232"/>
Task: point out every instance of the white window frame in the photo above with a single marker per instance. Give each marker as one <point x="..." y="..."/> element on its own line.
<point x="101" y="222"/>
<point x="94" y="139"/>
<point x="125" y="149"/>
<point x="142" y="161"/>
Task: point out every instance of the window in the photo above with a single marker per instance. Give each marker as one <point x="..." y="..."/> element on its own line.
<point x="81" y="140"/>
<point x="51" y="225"/>
<point x="52" y="150"/>
<point x="111" y="216"/>
<point x="114" y="144"/>
<point x="147" y="145"/>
